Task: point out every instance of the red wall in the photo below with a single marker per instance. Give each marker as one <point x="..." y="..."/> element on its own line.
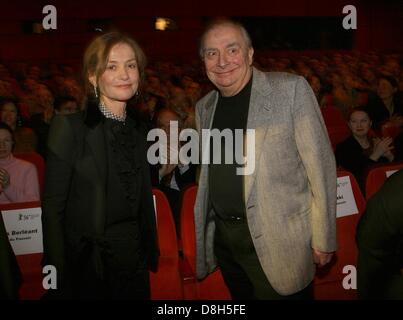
<point x="380" y="25"/>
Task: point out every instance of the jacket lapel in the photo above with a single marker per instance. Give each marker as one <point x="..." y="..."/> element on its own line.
<point x="259" y="102"/>
<point x="95" y="139"/>
<point x="210" y="110"/>
<point x="96" y="142"/>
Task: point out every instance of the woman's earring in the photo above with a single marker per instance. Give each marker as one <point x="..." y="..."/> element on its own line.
<point x="95" y="91"/>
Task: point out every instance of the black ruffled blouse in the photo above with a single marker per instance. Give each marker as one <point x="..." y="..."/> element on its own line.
<point x="123" y="167"/>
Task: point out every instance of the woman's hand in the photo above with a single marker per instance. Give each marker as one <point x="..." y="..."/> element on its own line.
<point x="382" y="147"/>
<point x="4" y="179"/>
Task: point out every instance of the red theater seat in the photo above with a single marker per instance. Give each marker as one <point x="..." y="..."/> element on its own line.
<point x="328" y="282"/>
<point x="333" y="117"/>
<point x="336" y="125"/>
<point x="212" y="287"/>
<point x="166" y="283"/>
<point x="30" y="264"/>
<point x="377" y="176"/>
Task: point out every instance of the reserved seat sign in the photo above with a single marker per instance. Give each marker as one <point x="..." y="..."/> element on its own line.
<point x="346" y="204"/>
<point x="24" y="230"/>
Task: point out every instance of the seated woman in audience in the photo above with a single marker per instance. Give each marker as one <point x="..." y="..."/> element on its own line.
<point x="10" y="114"/>
<point x="359" y="151"/>
<point x="386" y="104"/>
<point x="18" y="178"/>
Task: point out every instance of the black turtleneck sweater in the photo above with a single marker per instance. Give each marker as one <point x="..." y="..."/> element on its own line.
<point x="226" y="187"/>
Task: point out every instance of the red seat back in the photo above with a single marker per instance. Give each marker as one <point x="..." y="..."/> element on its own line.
<point x="187" y="225"/>
<point x="377" y="176"/>
<point x="333" y="117"/>
<point x="332" y="275"/>
<point x="212" y="286"/>
<point x="165" y="283"/>
<point x="167" y="239"/>
<point x="336" y="125"/>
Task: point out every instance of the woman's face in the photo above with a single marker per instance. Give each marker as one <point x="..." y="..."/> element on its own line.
<point x="9" y="114"/>
<point x="385" y="89"/>
<point x="359" y="123"/>
<point x="120" y="80"/>
<point x="6" y="143"/>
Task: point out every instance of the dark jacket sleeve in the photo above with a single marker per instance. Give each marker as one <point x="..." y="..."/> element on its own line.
<point x="61" y="148"/>
<point x="10" y="277"/>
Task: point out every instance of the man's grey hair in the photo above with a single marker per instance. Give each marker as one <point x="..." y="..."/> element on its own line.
<point x="219" y="22"/>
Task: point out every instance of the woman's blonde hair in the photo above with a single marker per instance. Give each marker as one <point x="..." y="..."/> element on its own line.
<point x="97" y="53"/>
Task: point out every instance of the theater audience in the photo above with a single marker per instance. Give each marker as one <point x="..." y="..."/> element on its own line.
<point x="40" y="123"/>
<point x="319" y="91"/>
<point x="359" y="151"/>
<point x="345" y="95"/>
<point x="18" y="178"/>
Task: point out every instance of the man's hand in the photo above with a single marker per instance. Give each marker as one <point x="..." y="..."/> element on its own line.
<point x="166" y="169"/>
<point x="321" y="258"/>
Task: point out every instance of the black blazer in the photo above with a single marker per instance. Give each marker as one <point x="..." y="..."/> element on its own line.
<point x="350" y="155"/>
<point x="74" y="201"/>
<point x="380" y="243"/>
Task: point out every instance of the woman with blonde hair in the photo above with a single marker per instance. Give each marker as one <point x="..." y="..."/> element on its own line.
<point x="98" y="218"/>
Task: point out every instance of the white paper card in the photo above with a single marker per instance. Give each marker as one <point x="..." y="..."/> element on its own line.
<point x="346" y="204"/>
<point x="24" y="230"/>
<point x="390" y="172"/>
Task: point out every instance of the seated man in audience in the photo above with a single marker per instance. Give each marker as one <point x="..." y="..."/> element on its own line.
<point x="18" y="178"/>
<point x="172" y="178"/>
<point x="65" y="105"/>
<point x="380" y="243"/>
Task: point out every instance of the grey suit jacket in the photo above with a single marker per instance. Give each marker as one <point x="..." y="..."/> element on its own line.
<point x="290" y="197"/>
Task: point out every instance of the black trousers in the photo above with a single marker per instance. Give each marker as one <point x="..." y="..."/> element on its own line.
<point x="240" y="265"/>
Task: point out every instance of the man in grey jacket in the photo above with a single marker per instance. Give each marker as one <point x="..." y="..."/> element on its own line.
<point x="266" y="229"/>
